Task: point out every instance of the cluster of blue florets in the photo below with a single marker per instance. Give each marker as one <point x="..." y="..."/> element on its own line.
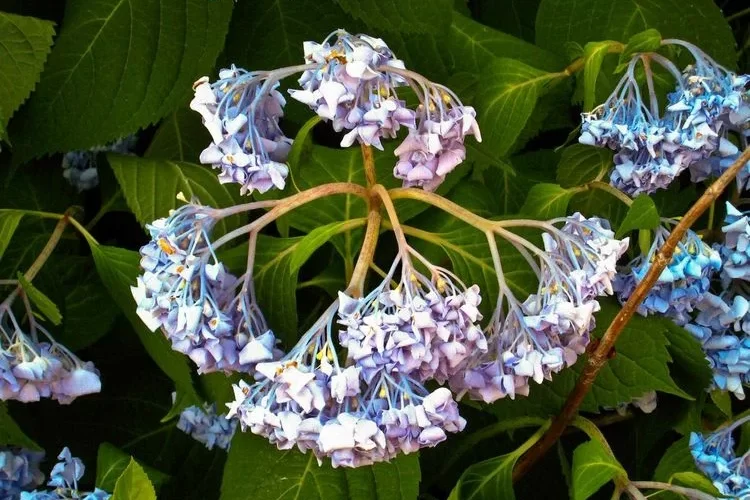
<point x="63" y="482"/>
<point x="715" y="456"/>
<point x="80" y="168"/>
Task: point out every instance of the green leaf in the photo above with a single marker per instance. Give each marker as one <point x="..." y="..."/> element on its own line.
<point x="24" y="45"/>
<point x="8" y="223"/>
<point x="117" y="67"/>
<point x="593" y="467"/>
<point x="645" y="41"/>
<point x="151" y="186"/>
<point x="181" y="136"/>
<point x="492" y="478"/>
<point x="640" y="364"/>
<point x="111" y="463"/>
<point x="507" y="100"/>
<point x="562" y="21"/>
<point x="11" y="434"/>
<point x="723" y="401"/>
<point x="580" y="164"/>
<point x="406" y="16"/>
<point x="41" y="301"/>
<point x="474" y="46"/>
<point x="677" y="466"/>
<point x="118" y="268"/>
<point x="593" y="53"/>
<point x="642" y="214"/>
<point x="256" y="469"/>
<point x="133" y="484"/>
<point x="546" y="201"/>
<point x="696" y="481"/>
<point x="277" y="265"/>
<point x="690" y="367"/>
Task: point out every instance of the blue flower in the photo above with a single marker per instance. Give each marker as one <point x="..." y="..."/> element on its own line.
<point x="206" y="427"/>
<point x="715" y="457"/>
<point x="64" y="479"/>
<point x="735" y="251"/>
<point x="80" y="167"/>
<point x="19" y="471"/>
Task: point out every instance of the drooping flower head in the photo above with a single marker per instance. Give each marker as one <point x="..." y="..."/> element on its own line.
<point x="64" y="479"/>
<point x="241" y="112"/>
<point x="654" y="145"/>
<point x="19" y="471"/>
<point x="34" y="366"/>
<point x="206" y="427"/>
<point x="424" y="327"/>
<point x="681" y="285"/>
<point x="533" y="339"/>
<point x="715" y="456"/>
<point x="185" y="291"/>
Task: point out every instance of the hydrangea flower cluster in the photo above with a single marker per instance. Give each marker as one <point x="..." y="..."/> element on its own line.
<point x="653" y="148"/>
<point x="349" y="80"/>
<point x="241" y="112"/>
<point x="80" y="168"/>
<point x="715" y="456"/>
<point x="309" y="400"/>
<point x="550" y="329"/>
<point x="185" y="291"/>
<point x="34" y="366"/>
<point x="426" y="328"/>
<point x="64" y="482"/>
<point x="735" y="252"/>
<point x="681" y="285"/>
<point x="206" y="427"/>
<point x="19" y="471"/>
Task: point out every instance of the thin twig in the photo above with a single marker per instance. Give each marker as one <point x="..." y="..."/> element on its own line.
<point x="599" y="357"/>
<point x="688" y="492"/>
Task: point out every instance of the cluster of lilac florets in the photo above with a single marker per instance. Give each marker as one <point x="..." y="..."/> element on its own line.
<point x="652" y="148"/>
<point x="205" y="312"/>
<point x="34" y="366"/>
<point x="207" y="427"/>
<point x="80" y="167"/>
<point x="550" y="329"/>
<point x="64" y="479"/>
<point x="715" y="456"/>
<point x="351" y="82"/>
<point x="19" y="471"/>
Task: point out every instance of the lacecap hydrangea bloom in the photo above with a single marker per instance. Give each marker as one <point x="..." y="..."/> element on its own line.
<point x="349" y="80"/>
<point x="207" y="427"/>
<point x="654" y="145"/>
<point x="715" y="456"/>
<point x="533" y="339"/>
<point x="19" y="471"/>
<point x="34" y="366"/>
<point x="205" y="312"/>
<point x="64" y="479"/>
<point x="80" y="168"/>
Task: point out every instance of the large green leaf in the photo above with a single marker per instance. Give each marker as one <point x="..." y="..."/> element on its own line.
<point x="8" y="223"/>
<point x="493" y="478"/>
<point x="118" y="268"/>
<point x="43" y="303"/>
<point x="11" y="434"/>
<point x="117" y="67"/>
<point x="642" y="214"/>
<point x="547" y="201"/>
<point x="690" y="368"/>
<point x="151" y="186"/>
<point x="580" y="164"/>
<point x="593" y="53"/>
<point x="181" y="137"/>
<point x="111" y="462"/>
<point x="133" y="484"/>
<point x="640" y="364"/>
<point x="277" y="265"/>
<point x="701" y="22"/>
<point x="507" y="100"/>
<point x="406" y="16"/>
<point x="677" y="465"/>
<point x="256" y="469"/>
<point x="593" y="467"/>
<point x="24" y="45"/>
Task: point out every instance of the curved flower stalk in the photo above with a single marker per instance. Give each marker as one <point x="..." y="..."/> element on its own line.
<point x="206" y="426"/>
<point x="423" y="327"/>
<point x="64" y="479"/>
<point x="715" y="456"/>
<point x="308" y="399"/>
<point x="682" y="284"/>
<point x="349" y="80"/>
<point x="19" y="471"/>
<point x="34" y="366"/>
<point x="654" y="143"/>
<point x="533" y="339"/>
<point x="185" y="291"/>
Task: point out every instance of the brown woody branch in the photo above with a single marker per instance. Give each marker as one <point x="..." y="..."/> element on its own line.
<point x="599" y="356"/>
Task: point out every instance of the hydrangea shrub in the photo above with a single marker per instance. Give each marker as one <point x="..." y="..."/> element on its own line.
<point x="338" y="249"/>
